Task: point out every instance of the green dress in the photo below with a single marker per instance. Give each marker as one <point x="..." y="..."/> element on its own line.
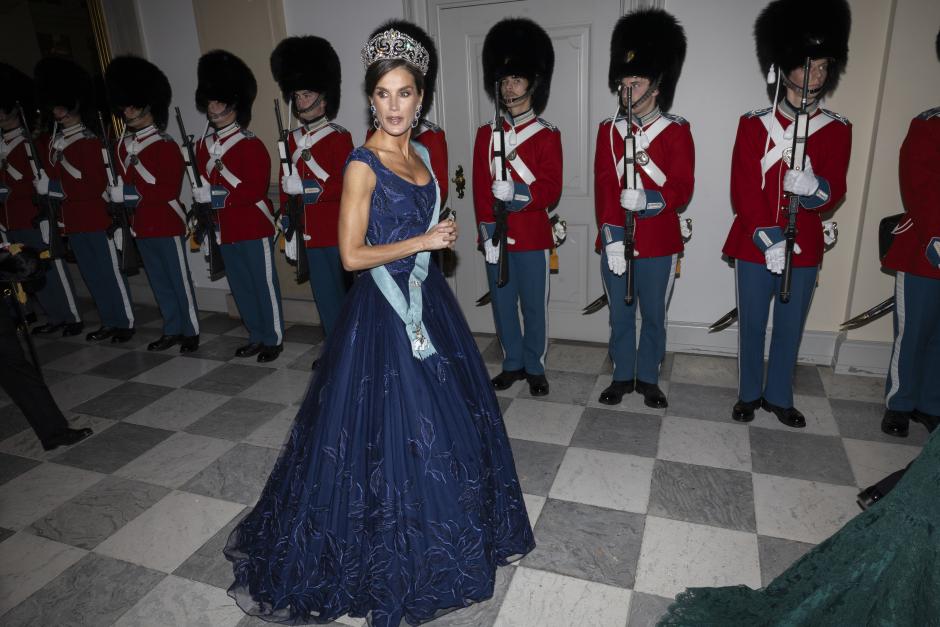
<point x="880" y="569"/>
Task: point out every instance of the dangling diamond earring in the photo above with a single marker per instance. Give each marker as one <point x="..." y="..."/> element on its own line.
<point x="414" y="123"/>
<point x="375" y="118"/>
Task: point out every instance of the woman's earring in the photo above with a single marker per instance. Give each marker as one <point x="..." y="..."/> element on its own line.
<point x="375" y="118"/>
<point x="414" y="123"/>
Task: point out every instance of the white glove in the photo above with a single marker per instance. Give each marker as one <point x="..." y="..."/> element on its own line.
<point x="292" y="185"/>
<point x="116" y="193"/>
<point x="202" y="194"/>
<point x="42" y="184"/>
<point x="503" y="190"/>
<point x="800" y="182"/>
<point x="633" y="199"/>
<point x="44" y="231"/>
<point x="830" y="233"/>
<point x="775" y="256"/>
<point x="290" y="247"/>
<point x="118" y="239"/>
<point x="490" y="252"/>
<point x="616" y="260"/>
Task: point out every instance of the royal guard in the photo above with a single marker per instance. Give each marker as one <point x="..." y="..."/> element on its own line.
<point x="19" y="216"/>
<point x="647" y="49"/>
<point x="77" y="178"/>
<point x="308" y="73"/>
<point x="150" y="169"/>
<point x="912" y="391"/>
<point x="766" y="180"/>
<point x="236" y="171"/>
<point x="517" y="170"/>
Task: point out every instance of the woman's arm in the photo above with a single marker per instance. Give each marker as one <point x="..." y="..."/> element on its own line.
<point x="358" y="184"/>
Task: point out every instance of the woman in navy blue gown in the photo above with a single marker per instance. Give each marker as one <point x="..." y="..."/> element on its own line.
<point x="395" y="496"/>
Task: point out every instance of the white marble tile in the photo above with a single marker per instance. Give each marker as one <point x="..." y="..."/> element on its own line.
<point x="574" y="358"/>
<point x="80" y="388"/>
<point x="177" y="410"/>
<point x="176" y="460"/>
<point x="176" y="601"/>
<point x="165" y="535"/>
<point x="631" y="402"/>
<point x="178" y="371"/>
<point x="27" y="563"/>
<point x="285" y="386"/>
<point x="351" y="621"/>
<point x="26" y="444"/>
<point x="705" y="442"/>
<point x="806" y="511"/>
<point x="676" y="555"/>
<point x="40" y="490"/>
<point x="88" y="357"/>
<point x="552" y="423"/>
<point x="873" y="461"/>
<point x="704" y="370"/>
<point x="533" y="506"/>
<point x="274" y="433"/>
<point x="541" y="599"/>
<point x="816" y="409"/>
<point x="604" y="479"/>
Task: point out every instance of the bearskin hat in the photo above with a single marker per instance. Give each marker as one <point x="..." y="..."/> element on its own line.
<point x="309" y="62"/>
<point x="135" y="82"/>
<point x="788" y="31"/>
<point x="519" y="47"/>
<point x="61" y="82"/>
<point x="648" y="43"/>
<point x="223" y="77"/>
<point x="15" y="86"/>
<point x="418" y="34"/>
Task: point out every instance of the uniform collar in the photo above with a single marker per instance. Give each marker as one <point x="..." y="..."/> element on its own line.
<point x="315" y="125"/>
<point x="72" y="131"/>
<point x="789" y="111"/>
<point x="145" y="132"/>
<point x="521" y="119"/>
<point x="228" y="131"/>
<point x="12" y="134"/>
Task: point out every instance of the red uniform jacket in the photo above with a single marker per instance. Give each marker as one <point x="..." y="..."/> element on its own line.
<point x="329" y="145"/>
<point x="151" y="162"/>
<point x="238" y="167"/>
<point x="16" y="181"/>
<point x="75" y="161"/>
<point x="756" y="209"/>
<point x="913" y="247"/>
<point x="431" y="136"/>
<point x="671" y="161"/>
<point x="536" y="172"/>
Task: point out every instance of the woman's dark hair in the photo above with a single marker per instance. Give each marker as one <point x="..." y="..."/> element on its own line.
<point x="380" y="68"/>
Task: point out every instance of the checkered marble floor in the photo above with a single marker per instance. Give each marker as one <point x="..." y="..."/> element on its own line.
<point x="630" y="505"/>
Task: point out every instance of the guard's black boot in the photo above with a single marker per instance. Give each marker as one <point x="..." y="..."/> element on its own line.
<point x="895" y="423"/>
<point x="165" y="342"/>
<point x="506" y="378"/>
<point x="613" y="393"/>
<point x="652" y="395"/>
<point x="789" y="416"/>
<point x="743" y="411"/>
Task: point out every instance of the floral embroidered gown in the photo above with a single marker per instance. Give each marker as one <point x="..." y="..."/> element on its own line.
<point x="396" y="493"/>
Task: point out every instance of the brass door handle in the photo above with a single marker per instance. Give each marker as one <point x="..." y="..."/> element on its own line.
<point x="459" y="181"/>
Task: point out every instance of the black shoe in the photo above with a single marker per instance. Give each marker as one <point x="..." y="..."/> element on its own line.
<point x="269" y="353"/>
<point x="122" y="335"/>
<point x="652" y="395"/>
<point x="165" y="342"/>
<point x="248" y="350"/>
<point x="538" y="384"/>
<point x="895" y="423"/>
<point x="506" y="378"/>
<point x="72" y="328"/>
<point x="46" y="329"/>
<point x="613" y="393"/>
<point x="929" y="421"/>
<point x="868" y="497"/>
<point x="66" y="438"/>
<point x="316" y="364"/>
<point x="189" y="344"/>
<point x="744" y="410"/>
<point x="789" y="416"/>
<point x="101" y="334"/>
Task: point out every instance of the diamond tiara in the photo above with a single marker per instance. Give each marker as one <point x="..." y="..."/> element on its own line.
<point x="393" y="44"/>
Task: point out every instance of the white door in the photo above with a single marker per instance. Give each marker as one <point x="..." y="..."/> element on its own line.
<point x="579" y="100"/>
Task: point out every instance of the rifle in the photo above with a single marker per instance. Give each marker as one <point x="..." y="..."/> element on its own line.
<point x="295" y="204"/>
<point x="797" y="162"/>
<point x="201" y="212"/>
<point x="49" y="205"/>
<point x="501" y="230"/>
<point x="120" y="215"/>
<point x="629" y="182"/>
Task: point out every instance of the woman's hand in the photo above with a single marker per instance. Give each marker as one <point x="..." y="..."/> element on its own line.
<point x="442" y="235"/>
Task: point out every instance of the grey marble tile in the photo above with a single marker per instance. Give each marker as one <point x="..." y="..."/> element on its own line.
<point x="122" y="401"/>
<point x="27" y="563"/>
<point x="113" y="448"/>
<point x="175" y="601"/>
<point x="304" y="333"/>
<point x="705" y="370"/>
<point x="178" y="409"/>
<point x="51" y="351"/>
<point x="564" y="387"/>
<point x="709" y="402"/>
<point x="481" y="614"/>
<point x="283" y="386"/>
<point x="80" y="388"/>
<point x="852" y="387"/>
<point x="665" y="369"/>
<point x="94" y="591"/>
<point x="88" y="356"/>
<point x="235" y="419"/>
<point x="536" y="464"/>
<point x="12" y="466"/>
<point x="95" y="514"/>
<point x="229" y="379"/>
<point x="208" y="564"/>
<point x="800" y="456"/>
<point x="48" y="485"/>
<point x="704" y="495"/>
<point x="587" y="542"/>
<point x="218" y="323"/>
<point x="493" y="354"/>
<point x="862" y="420"/>
<point x="576" y="357"/>
<point x="221" y="348"/>
<point x="176" y="460"/>
<point x="129" y="365"/>
<point x="618" y="432"/>
<point x="251" y="621"/>
<point x="647" y="609"/>
<point x="5" y="533"/>
<point x="806" y="381"/>
<point x="12" y="421"/>
<point x="777" y="554"/>
<point x="26" y="444"/>
<point x="305" y="360"/>
<point x="238" y="476"/>
<point x="504" y="403"/>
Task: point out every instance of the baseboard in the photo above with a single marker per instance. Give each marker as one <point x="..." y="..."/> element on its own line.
<point x="817" y="347"/>
<point x="863" y="357"/>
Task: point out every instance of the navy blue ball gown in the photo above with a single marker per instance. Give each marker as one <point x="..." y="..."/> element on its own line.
<point x="396" y="495"/>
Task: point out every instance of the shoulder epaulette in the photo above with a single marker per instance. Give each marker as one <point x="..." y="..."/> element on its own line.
<point x="547" y="124"/>
<point x="430" y="126"/>
<point x="835" y="116"/>
<point x="246" y="133"/>
<point x="488" y="123"/>
<point x="756" y="113"/>
<point x="929" y="113"/>
<point x="87" y="133"/>
<point x="166" y="137"/>
<point x="339" y="129"/>
<point x="678" y="119"/>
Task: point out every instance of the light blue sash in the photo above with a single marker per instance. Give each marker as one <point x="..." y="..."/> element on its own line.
<point x="410" y="314"/>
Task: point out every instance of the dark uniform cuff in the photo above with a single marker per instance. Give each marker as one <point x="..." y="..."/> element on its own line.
<point x="521" y="197"/>
<point x="818" y="198"/>
<point x="767" y="236"/>
<point x="655" y="203"/>
<point x="611" y="233"/>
